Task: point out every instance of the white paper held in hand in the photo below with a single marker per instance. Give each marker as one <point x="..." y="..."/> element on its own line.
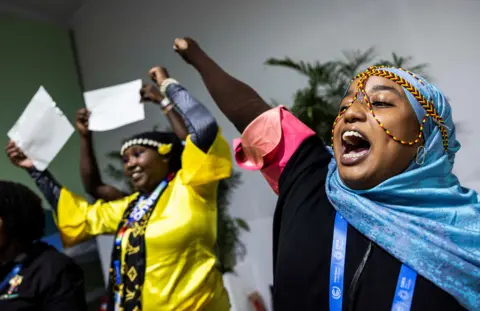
<point x="114" y="106"/>
<point x="42" y="130"/>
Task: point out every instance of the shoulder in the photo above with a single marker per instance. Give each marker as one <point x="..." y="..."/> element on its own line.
<point x="218" y="148"/>
<point x="53" y="263"/>
<point x="200" y="168"/>
<point x="59" y="279"/>
<point x="307" y="166"/>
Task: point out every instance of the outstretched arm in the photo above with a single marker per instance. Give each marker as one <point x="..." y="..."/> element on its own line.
<point x="270" y="137"/>
<point x="91" y="178"/>
<point x="238" y="101"/>
<point x="76" y="219"/>
<point x="206" y="157"/>
<point x="201" y="125"/>
<point x="176" y="121"/>
<point x="45" y="182"/>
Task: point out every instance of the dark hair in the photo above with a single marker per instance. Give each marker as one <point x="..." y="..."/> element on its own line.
<point x="175" y="155"/>
<point x="22" y="212"/>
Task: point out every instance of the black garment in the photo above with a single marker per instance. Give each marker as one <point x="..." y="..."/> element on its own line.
<point x="51" y="281"/>
<point x="48" y="186"/>
<point x="302" y="244"/>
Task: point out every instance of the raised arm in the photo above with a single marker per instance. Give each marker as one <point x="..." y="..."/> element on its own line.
<point x="201" y="125"/>
<point x="76" y="219"/>
<point x="152" y="93"/>
<point x="45" y="182"/>
<point x="176" y="121"/>
<point x="270" y="137"/>
<point x="206" y="157"/>
<point x="238" y="101"/>
<point x="91" y="178"/>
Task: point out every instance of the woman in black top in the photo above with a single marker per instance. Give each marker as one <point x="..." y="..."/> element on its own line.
<point x="378" y="222"/>
<point x="33" y="275"/>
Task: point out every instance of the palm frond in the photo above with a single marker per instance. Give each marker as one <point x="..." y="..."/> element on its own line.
<point x="300" y="67"/>
<point x="405" y="63"/>
<point x="242" y="224"/>
<point x="354" y="61"/>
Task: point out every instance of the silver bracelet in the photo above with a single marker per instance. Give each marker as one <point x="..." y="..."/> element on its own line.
<point x="165" y="84"/>
<point x="165" y="102"/>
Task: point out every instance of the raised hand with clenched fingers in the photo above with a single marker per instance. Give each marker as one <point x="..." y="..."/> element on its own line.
<point x="16" y="156"/>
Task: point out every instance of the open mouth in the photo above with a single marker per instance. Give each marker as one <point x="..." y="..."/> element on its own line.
<point x="355" y="147"/>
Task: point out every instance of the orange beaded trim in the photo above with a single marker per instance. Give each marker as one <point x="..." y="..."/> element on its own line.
<point x="427" y="105"/>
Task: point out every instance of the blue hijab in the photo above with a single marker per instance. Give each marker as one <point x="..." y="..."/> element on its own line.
<point x="423" y="216"/>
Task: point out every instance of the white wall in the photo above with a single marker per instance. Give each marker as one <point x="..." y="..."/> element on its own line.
<point x="120" y="40"/>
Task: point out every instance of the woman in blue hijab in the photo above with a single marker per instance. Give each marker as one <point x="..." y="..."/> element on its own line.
<point x="378" y="221"/>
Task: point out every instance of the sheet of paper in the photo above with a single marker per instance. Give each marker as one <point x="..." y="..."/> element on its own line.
<point x="114" y="106"/>
<point x="42" y="130"/>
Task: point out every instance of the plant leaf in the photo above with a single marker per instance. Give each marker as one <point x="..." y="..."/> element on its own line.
<point x="242" y="224"/>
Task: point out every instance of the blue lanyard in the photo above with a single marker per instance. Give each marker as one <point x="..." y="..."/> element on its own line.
<point x="143" y="205"/>
<point x="406" y="279"/>
<point x="10" y="276"/>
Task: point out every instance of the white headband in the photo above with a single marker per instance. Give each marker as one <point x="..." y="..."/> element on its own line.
<point x="141" y="142"/>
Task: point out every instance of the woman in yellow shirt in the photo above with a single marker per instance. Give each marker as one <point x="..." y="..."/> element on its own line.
<point x="163" y="257"/>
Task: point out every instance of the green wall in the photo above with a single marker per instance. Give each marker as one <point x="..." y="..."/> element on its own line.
<point x="34" y="54"/>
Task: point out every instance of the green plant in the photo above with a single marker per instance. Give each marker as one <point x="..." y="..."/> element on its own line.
<point x="317" y="104"/>
<point x="230" y="248"/>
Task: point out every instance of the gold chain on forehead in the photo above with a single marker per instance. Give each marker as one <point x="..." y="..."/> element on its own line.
<point x="426" y="104"/>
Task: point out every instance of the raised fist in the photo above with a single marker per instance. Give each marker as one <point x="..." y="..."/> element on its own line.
<point x="158" y="75"/>
<point x="187" y="48"/>
<point x="81" y="121"/>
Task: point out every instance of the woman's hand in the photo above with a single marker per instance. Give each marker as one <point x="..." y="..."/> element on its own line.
<point x="151" y="93"/>
<point x="158" y="75"/>
<point x="186" y="48"/>
<point x="17" y="157"/>
<point x="81" y="121"/>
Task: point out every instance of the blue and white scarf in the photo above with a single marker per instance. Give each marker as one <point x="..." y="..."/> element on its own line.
<point x="423" y="216"/>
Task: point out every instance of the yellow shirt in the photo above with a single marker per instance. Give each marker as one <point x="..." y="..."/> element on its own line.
<point x="180" y="236"/>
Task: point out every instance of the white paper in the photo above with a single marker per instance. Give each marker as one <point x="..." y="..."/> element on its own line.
<point x="114" y="106"/>
<point x="42" y="130"/>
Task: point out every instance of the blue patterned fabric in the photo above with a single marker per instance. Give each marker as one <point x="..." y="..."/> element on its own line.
<point x="423" y="216"/>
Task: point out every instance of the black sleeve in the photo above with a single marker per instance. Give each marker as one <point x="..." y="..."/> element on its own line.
<point x="47" y="185"/>
<point x="301" y="186"/>
<point x="200" y="123"/>
<point x="67" y="291"/>
<point x="311" y="156"/>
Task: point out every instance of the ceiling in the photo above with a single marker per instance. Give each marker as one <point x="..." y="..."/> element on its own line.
<point x="59" y="12"/>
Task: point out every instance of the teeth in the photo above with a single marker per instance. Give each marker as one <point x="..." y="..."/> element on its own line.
<point x="353" y="155"/>
<point x="352" y="133"/>
<point x="135" y="175"/>
<point x="348" y="135"/>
